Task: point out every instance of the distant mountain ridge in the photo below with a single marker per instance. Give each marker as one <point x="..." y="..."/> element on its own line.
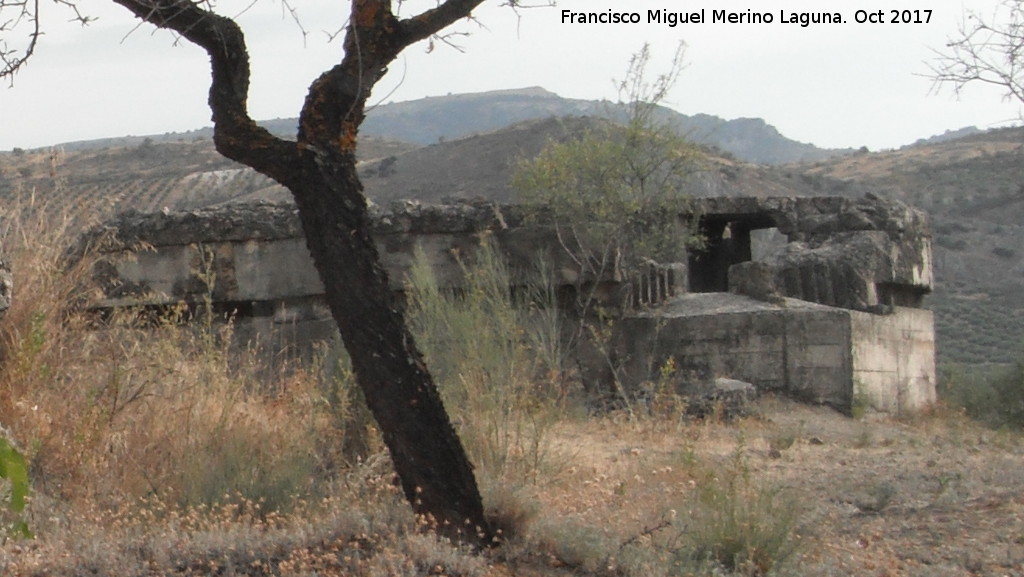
<point x="433" y="119"/>
<point x="949" y="135"/>
<point x="443" y="118"/>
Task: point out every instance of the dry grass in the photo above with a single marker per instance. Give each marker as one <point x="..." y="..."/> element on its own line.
<point x="162" y="451"/>
<point x="628" y="501"/>
<point x="111" y="412"/>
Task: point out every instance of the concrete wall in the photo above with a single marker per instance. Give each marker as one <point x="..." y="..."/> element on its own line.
<point x="745" y="344"/>
<point x="812" y="352"/>
<point x="280" y="269"/>
<point x="252" y="260"/>
<point x="818" y="360"/>
<point x="266" y="270"/>
<point x="799" y="349"/>
<point x="894" y="358"/>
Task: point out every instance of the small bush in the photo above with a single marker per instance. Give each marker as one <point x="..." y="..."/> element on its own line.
<point x="957" y="244"/>
<point x="992" y="395"/>
<point x="735" y="524"/>
<point x="1003" y="252"/>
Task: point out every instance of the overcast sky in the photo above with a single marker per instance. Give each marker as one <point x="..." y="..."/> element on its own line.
<point x="843" y="85"/>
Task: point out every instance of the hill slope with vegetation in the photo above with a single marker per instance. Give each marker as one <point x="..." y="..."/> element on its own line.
<point x="157" y="451"/>
<point x="438" y="119"/>
<point x="973" y="187"/>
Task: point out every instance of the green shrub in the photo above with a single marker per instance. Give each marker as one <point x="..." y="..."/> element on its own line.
<point x="615" y="193"/>
<point x="735" y="524"/>
<point x="14" y="480"/>
<point x="993" y="395"/>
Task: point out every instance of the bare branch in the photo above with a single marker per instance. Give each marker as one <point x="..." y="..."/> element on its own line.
<point x="430" y="22"/>
<point x="294" y="14"/>
<point x="77" y="14"/>
<point x="516" y="5"/>
<point x="447" y="39"/>
<point x="236" y="134"/>
<point x="26" y="15"/>
<point x="986" y="50"/>
<point x="12" y="59"/>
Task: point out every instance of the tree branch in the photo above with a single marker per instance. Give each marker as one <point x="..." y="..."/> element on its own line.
<point x="336" y="104"/>
<point x="432" y="21"/>
<point x="236" y="134"/>
<point x="26" y="13"/>
<point x="987" y="51"/>
<point x="28" y="10"/>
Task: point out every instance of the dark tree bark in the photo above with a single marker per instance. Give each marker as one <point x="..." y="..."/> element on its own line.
<point x="320" y="171"/>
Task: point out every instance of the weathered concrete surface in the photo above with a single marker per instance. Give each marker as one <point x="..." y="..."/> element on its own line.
<point x="242" y="253"/>
<point x="894" y="359"/>
<point x="801" y="348"/>
<point x="816" y="353"/>
<point x="799" y="334"/>
<point x="864" y="254"/>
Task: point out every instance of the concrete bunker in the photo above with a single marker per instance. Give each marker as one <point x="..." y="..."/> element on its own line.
<point x="818" y="297"/>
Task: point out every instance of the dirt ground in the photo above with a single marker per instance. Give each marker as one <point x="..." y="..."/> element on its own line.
<point x="932" y="496"/>
<point x="935" y="495"/>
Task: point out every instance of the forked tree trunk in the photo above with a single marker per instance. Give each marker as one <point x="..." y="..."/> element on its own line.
<point x="320" y="171"/>
<point x="435" y="473"/>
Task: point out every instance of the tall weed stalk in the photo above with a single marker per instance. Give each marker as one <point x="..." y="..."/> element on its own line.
<point x="491" y="356"/>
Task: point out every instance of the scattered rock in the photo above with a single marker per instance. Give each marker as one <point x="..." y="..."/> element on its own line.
<point x="724" y="398"/>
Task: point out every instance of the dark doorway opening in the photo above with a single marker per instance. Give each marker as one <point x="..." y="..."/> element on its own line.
<point x="727" y="243"/>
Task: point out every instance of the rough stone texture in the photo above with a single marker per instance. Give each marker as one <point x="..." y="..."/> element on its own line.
<point x="789" y="325"/>
<point x="725" y="398"/>
<point x="237" y="222"/>
<point x="864" y="254"/>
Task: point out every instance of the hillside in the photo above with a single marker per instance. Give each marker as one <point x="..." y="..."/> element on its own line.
<point x="481" y="165"/>
<point x="147" y="175"/>
<point x="973" y="186"/>
<point x="431" y="120"/>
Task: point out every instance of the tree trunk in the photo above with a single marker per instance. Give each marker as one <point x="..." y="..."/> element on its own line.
<point x="429" y="458"/>
<point x="320" y="171"/>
